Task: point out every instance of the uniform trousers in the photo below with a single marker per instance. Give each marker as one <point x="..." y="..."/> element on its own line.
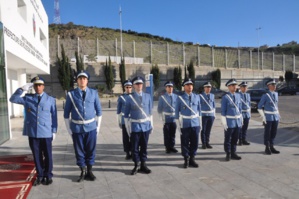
<point x="207" y="123"/>
<point x="85" y="147"/>
<point x="42" y="153"/>
<point x="189" y="141"/>
<point x="169" y="134"/>
<point x="139" y="142"/>
<point x="126" y="139"/>
<point x="243" y="132"/>
<point x="231" y="136"/>
<point x="270" y="132"/>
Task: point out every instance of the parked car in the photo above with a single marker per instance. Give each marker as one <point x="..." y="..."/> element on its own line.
<point x="287" y="90"/>
<point x="217" y="92"/>
<point x="256" y="95"/>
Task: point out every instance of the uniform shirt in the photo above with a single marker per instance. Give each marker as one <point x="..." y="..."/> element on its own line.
<point x="133" y="112"/>
<point x="246" y="105"/>
<point x="163" y="107"/>
<point x="270" y="105"/>
<point x="182" y="110"/>
<point x="88" y="109"/>
<point x="230" y="109"/>
<point x="121" y="106"/>
<point x="40" y="118"/>
<point x="210" y="99"/>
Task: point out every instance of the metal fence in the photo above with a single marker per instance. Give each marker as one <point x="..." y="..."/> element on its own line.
<point x="178" y="54"/>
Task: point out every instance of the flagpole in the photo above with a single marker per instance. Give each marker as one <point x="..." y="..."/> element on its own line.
<point x="121" y="37"/>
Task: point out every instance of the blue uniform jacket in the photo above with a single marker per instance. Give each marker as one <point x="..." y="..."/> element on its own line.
<point x="182" y="110"/>
<point x="246" y="104"/>
<point x="41" y="119"/>
<point x="205" y="107"/>
<point x="228" y="109"/>
<point x="164" y="107"/>
<point x="121" y="106"/>
<point x="90" y="108"/>
<point x="134" y="113"/>
<point x="268" y="105"/>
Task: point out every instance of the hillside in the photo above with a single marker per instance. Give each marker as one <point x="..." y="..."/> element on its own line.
<point x="72" y="31"/>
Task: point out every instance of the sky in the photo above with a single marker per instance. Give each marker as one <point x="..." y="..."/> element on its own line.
<point x="244" y="23"/>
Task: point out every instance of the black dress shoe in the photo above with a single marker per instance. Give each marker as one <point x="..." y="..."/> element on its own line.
<point x="37" y="182"/>
<point x="135" y="169"/>
<point x="234" y="156"/>
<point x="186" y="162"/>
<point x="192" y="162"/>
<point x="167" y="150"/>
<point x="273" y="150"/>
<point x="268" y="151"/>
<point x="144" y="168"/>
<point x="128" y="156"/>
<point x="174" y="150"/>
<point x="209" y="146"/>
<point x="227" y="158"/>
<point x="203" y="146"/>
<point x="47" y="181"/>
<point x="245" y="142"/>
<point x="240" y="143"/>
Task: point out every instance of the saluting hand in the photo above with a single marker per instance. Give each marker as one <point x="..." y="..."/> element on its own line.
<point x="27" y="86"/>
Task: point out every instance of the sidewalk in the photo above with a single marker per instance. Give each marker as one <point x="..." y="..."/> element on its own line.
<point x="255" y="176"/>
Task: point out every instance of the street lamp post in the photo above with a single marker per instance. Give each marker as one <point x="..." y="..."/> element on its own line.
<point x="258" y="48"/>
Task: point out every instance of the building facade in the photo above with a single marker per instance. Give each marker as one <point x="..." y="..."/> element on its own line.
<point x="24" y="53"/>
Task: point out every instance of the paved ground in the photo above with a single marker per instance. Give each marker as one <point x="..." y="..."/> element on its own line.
<point x="255" y="176"/>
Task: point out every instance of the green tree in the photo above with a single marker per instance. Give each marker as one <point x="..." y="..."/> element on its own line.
<point x="156" y="76"/>
<point x="288" y="76"/>
<point x="281" y="78"/>
<point x="122" y="72"/>
<point x="109" y="75"/>
<point x="177" y="78"/>
<point x="191" y="70"/>
<point x="79" y="62"/>
<point x="65" y="72"/>
<point x="216" y="77"/>
<point x="185" y="70"/>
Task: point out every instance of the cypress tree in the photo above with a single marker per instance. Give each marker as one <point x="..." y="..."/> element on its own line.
<point x="156" y="76"/>
<point x="191" y="70"/>
<point x="177" y="78"/>
<point x="79" y="62"/>
<point x="122" y="72"/>
<point x="109" y="75"/>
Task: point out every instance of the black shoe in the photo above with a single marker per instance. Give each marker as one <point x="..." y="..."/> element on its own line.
<point x="186" y="162"/>
<point x="245" y="142"/>
<point x="268" y="151"/>
<point x="135" y="169"/>
<point x="240" y="143"/>
<point x="192" y="162"/>
<point x="37" y="181"/>
<point x="273" y="150"/>
<point x="167" y="150"/>
<point x="128" y="156"/>
<point x="227" y="158"/>
<point x="47" y="181"/>
<point x="234" y="156"/>
<point x="82" y="175"/>
<point x="144" y="168"/>
<point x="203" y="146"/>
<point x="209" y="146"/>
<point x="89" y="175"/>
<point x="174" y="150"/>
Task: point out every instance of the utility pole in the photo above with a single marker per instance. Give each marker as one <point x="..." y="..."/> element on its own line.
<point x="121" y="36"/>
<point x="258" y="47"/>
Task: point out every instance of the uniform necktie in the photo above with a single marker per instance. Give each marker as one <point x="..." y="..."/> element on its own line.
<point x="170" y="99"/>
<point x="38" y="98"/>
<point x="273" y="95"/>
<point x="245" y="97"/>
<point x="208" y="96"/>
<point x="189" y="99"/>
<point x="83" y="95"/>
<point x="140" y="97"/>
<point x="234" y="98"/>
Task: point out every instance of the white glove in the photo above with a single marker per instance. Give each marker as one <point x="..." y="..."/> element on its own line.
<point x="200" y="123"/>
<point x="215" y="113"/>
<point x="99" y="121"/>
<point x="54" y="136"/>
<point x="152" y="122"/>
<point x="119" y="117"/>
<point x="261" y="112"/>
<point x="128" y="126"/>
<point x="68" y="127"/>
<point x="224" y="123"/>
<point x="27" y="86"/>
<point x="178" y="124"/>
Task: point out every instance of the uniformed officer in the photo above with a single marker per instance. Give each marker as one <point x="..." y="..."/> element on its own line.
<point x="188" y="116"/>
<point x="84" y="106"/>
<point x="139" y="123"/>
<point x="246" y="109"/>
<point x="270" y="115"/>
<point x="207" y="102"/>
<point x="121" y="105"/>
<point x="166" y="109"/>
<point x="40" y="126"/>
<point x="231" y="119"/>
